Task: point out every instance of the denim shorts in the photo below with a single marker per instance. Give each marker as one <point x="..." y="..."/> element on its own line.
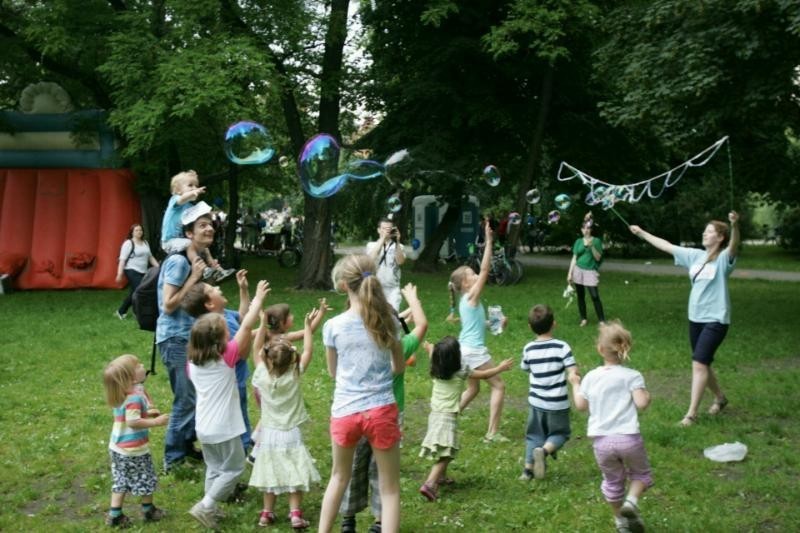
<point x="705" y="338"/>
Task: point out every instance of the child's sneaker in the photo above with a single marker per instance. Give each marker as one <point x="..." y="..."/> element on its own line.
<point x="539" y="466"/>
<point x="154" y="514"/>
<point x="120" y="521"/>
<point x="630" y="511"/>
<point x="208" y="274"/>
<point x="205" y="516"/>
<point x="526" y="475"/>
<point x="495" y="437"/>
<point x="223" y="273"/>
<point x="120" y="315"/>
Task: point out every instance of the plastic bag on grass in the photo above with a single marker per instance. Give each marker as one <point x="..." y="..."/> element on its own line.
<point x="724" y="453"/>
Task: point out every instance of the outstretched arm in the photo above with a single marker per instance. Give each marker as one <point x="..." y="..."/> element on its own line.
<point x="260" y="340"/>
<point x="190" y="196"/>
<point x="245" y="333"/>
<point x="491" y="372"/>
<point x="308" y="339"/>
<point x="733" y="245"/>
<point x="417" y="313"/>
<point x="658" y="242"/>
<point x="244" y="292"/>
<point x="486" y="262"/>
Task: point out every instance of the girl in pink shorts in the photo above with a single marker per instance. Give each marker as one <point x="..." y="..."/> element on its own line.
<point x="363" y="353"/>
<point x="613" y="394"/>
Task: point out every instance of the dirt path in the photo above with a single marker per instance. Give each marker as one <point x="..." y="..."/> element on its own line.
<point x="562" y="262"/>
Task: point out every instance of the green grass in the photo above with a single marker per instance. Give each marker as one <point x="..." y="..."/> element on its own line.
<point x="54" y="424"/>
<point x="751" y="256"/>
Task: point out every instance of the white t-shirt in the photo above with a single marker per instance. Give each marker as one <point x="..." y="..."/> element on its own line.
<point x="609" y="391"/>
<point x="218" y="415"/>
<point x="363" y="370"/>
<point x="388" y="270"/>
<point x="140" y="259"/>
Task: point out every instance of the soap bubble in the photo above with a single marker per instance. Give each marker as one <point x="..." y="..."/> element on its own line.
<point x="563" y="201"/>
<point x="283" y="161"/>
<point x="608" y="201"/>
<point x="394" y="203"/>
<point x="397" y="157"/>
<point x="553" y="216"/>
<point x="319" y="165"/>
<point x="491" y="175"/>
<point x="533" y="196"/>
<point x="248" y="143"/>
<point x="514" y="218"/>
<point x="363" y="169"/>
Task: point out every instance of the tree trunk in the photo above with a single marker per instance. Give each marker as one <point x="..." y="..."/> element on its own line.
<point x="317" y="259"/>
<point x="534" y="155"/>
<point x="233" y="217"/>
<point x="428" y="259"/>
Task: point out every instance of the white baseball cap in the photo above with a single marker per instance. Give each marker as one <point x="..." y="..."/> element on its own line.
<point x="193" y="213"/>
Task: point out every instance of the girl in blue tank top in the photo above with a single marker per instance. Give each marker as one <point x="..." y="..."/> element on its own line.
<point x="467" y="286"/>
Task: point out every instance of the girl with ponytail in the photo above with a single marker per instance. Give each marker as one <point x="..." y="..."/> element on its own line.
<point x="363" y="353"/>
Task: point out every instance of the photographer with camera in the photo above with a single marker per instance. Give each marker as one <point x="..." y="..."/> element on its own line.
<point x="388" y="254"/>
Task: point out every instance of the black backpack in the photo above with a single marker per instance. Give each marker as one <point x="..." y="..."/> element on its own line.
<point x="145" y="298"/>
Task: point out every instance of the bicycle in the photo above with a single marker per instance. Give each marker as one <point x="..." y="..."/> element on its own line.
<point x="501" y="271"/>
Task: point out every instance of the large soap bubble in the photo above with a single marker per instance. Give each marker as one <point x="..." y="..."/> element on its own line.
<point x="283" y="161"/>
<point x="248" y="143"/>
<point x="394" y="203"/>
<point x="514" y="218"/>
<point x="563" y="201"/>
<point x="319" y="167"/>
<point x="553" y="216"/>
<point x="533" y="196"/>
<point x="491" y="175"/>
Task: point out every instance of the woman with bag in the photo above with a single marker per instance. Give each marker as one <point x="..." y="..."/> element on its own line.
<point x="134" y="258"/>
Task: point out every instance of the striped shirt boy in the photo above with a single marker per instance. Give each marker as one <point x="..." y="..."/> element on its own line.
<point x="546" y="362"/>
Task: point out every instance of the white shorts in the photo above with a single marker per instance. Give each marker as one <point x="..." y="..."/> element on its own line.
<point x="475" y="356"/>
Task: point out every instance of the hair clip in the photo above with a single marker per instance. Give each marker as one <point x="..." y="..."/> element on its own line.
<point x="366" y="274"/>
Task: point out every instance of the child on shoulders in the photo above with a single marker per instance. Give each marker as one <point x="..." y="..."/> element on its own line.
<point x="547" y="360"/>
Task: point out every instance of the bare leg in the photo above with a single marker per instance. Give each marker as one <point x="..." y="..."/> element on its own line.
<point x="699" y="383"/>
<point x="340" y="477"/>
<point x="388" y="462"/>
<point x="498" y="393"/>
<point x="473" y="387"/>
<point x="713" y="385"/>
<point x="269" y="501"/>
<point x="438" y="471"/>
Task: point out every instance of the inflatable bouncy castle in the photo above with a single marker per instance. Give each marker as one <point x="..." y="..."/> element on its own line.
<point x="64" y="207"/>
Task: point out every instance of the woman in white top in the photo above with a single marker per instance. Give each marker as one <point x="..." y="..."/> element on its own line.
<point x="134" y="258"/>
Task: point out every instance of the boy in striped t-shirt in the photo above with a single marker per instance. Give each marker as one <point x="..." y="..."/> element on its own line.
<point x="547" y="360"/>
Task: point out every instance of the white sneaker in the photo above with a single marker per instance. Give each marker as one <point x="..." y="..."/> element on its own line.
<point x="631" y="512"/>
<point x="539" y="466"/>
<point x="118" y="315"/>
<point x="207" y="517"/>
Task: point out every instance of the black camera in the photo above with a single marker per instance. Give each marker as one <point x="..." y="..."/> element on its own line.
<point x="394" y="234"/>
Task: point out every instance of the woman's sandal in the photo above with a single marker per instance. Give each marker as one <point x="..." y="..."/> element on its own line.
<point x="298" y="522"/>
<point x="266" y="518"/>
<point x="687" y="421"/>
<point x="718" y="405"/>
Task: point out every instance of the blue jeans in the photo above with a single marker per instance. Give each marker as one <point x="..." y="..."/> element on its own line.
<point x="180" y="431"/>
<point x="545" y="426"/>
<point x="134" y="278"/>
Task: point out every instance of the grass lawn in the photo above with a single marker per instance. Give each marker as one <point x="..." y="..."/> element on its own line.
<point x="54" y="424"/>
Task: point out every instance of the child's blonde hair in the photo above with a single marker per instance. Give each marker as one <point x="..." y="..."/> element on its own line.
<point x="207" y="339"/>
<point x="455" y="283"/>
<point x="279" y="357"/>
<point x="358" y="273"/>
<point x="118" y="378"/>
<point x="179" y="178"/>
<point x="614" y="339"/>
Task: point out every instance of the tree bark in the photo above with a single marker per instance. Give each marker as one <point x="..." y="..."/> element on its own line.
<point x="534" y="154"/>
<point x="317" y="259"/>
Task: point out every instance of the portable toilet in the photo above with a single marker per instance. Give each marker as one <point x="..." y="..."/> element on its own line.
<point x="427" y="214"/>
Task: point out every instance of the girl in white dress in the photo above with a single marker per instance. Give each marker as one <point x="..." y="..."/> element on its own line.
<point x="282" y="462"/>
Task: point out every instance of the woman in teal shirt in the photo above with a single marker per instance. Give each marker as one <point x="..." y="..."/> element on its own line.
<point x="587" y="254"/>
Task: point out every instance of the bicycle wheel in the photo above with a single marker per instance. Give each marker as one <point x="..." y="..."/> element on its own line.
<point x="502" y="275"/>
<point x="289" y="258"/>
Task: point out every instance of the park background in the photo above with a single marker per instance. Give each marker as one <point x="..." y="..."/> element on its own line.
<point x="623" y="90"/>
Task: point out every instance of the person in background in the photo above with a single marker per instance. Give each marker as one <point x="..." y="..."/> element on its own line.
<point x="134" y="258"/>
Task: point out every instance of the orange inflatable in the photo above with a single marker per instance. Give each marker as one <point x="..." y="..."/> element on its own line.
<point x="63" y="228"/>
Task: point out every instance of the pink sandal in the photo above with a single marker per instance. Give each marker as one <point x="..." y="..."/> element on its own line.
<point x="298" y="522"/>
<point x="266" y="518"/>
<point x="429" y="492"/>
